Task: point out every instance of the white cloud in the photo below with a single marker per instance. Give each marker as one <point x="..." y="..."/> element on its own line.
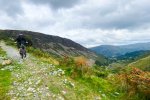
<point x="88" y="22"/>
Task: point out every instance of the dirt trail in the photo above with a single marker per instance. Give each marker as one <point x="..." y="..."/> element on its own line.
<point x="11" y="52"/>
<point x="30" y="78"/>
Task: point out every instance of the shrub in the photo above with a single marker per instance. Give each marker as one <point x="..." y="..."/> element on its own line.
<point x="82" y="67"/>
<point x="67" y="63"/>
<point x="139" y="82"/>
<point x="101" y="71"/>
<point x="134" y="84"/>
<point x="75" y="67"/>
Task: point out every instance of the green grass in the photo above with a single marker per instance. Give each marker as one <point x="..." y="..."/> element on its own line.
<point x="99" y="86"/>
<point x="5" y="80"/>
<point x="92" y="84"/>
<point x="54" y="89"/>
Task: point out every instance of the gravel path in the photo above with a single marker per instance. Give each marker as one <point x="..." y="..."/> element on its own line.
<point x="11" y="52"/>
<point x="32" y="79"/>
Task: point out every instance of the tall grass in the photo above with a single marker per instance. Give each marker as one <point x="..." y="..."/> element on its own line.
<point x="43" y="56"/>
<point x="5" y="81"/>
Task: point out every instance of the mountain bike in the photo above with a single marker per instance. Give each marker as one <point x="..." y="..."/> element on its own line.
<point x="22" y="51"/>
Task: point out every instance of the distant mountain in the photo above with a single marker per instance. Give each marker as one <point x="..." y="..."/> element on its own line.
<point x="53" y="44"/>
<point x="114" y="51"/>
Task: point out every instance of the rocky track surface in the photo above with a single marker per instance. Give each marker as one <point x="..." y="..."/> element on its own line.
<point x="36" y="80"/>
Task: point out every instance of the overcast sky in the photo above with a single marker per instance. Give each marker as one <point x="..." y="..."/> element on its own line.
<point x="88" y="22"/>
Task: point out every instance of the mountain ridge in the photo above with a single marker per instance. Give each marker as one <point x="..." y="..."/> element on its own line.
<point x="114" y="51"/>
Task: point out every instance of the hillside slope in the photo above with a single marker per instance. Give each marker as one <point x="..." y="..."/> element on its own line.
<point x="33" y="79"/>
<point x="53" y="44"/>
<point x="143" y="63"/>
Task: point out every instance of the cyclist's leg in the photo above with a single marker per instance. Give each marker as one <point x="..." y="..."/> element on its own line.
<point x="25" y="53"/>
<point x="21" y="54"/>
<point x="23" y="48"/>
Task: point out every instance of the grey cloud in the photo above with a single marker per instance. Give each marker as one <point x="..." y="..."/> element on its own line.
<point x="121" y="15"/>
<point x="11" y="7"/>
<point x="89" y="23"/>
<point x="56" y="4"/>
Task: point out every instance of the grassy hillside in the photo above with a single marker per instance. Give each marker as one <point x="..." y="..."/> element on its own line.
<point x="137" y="59"/>
<point x="143" y="64"/>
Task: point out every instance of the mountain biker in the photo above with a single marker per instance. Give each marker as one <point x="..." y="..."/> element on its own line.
<point x="21" y="40"/>
<point x="21" y="43"/>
